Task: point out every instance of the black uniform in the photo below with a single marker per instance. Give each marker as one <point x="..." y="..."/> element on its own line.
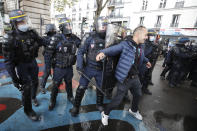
<point x="20" y="50"/>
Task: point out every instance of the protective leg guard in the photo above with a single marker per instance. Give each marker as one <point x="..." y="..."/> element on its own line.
<point x="99" y="100"/>
<point x="79" y="95"/>
<point x="54" y="93"/>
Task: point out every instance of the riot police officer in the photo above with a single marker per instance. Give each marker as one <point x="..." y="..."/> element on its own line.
<point x="92" y="68"/>
<point x="66" y="45"/>
<point x="180" y="58"/>
<point x="20" y="50"/>
<point x="50" y="31"/>
<point x="151" y="51"/>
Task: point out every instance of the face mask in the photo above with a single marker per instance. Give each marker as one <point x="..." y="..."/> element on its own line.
<point x="23" y="27"/>
<point x="152" y="38"/>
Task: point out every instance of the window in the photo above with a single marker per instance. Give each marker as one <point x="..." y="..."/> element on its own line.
<point x="94" y="14"/>
<point x="175" y="20"/>
<point x="179" y="4"/>
<point x="195" y="25"/>
<point x="118" y="1"/>
<point x="95" y="4"/>
<point x="87" y="15"/>
<point x="144" y="4"/>
<point x="158" y="22"/>
<point x="162" y="4"/>
<point x="112" y="14"/>
<point x="141" y="20"/>
<point x="118" y="12"/>
<point x="73" y="9"/>
<point x="73" y="17"/>
<point x="79" y="16"/>
<point x="125" y="23"/>
<point x="88" y="6"/>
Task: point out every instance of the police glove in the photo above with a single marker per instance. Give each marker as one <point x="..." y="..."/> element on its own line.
<point x="18" y="84"/>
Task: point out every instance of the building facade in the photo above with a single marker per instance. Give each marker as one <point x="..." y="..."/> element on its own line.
<point x="37" y="10"/>
<point x="168" y="17"/>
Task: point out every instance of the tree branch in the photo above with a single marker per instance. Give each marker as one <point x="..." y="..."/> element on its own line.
<point x="105" y="4"/>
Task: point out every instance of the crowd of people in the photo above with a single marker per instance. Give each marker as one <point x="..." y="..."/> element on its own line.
<point x="127" y="62"/>
<point x="180" y="62"/>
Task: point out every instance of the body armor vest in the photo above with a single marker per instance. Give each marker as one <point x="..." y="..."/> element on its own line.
<point x="49" y="49"/>
<point x="65" y="53"/>
<point x="153" y="55"/>
<point x="26" y="48"/>
<point x="96" y="45"/>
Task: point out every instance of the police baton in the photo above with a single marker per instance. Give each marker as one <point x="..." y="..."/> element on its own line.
<point x="92" y="82"/>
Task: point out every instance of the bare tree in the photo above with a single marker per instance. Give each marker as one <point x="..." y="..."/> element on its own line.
<point x="100" y="7"/>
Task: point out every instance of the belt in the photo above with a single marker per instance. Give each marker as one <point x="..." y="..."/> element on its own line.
<point x="95" y="67"/>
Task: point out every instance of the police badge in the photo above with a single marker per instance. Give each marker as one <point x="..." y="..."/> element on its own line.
<point x="65" y="49"/>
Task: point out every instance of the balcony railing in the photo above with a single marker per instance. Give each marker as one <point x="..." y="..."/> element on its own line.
<point x="73" y="9"/>
<point x="115" y="16"/>
<point x="179" y="4"/>
<point x="174" y="24"/>
<point x="113" y="3"/>
<point x="157" y="25"/>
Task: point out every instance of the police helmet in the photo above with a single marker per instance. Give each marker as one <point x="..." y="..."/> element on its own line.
<point x="50" y="28"/>
<point x="17" y="15"/>
<point x="65" y="26"/>
<point x="101" y="24"/>
<point x="151" y="32"/>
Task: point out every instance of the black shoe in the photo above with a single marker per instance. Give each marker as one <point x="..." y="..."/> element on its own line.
<point x="151" y="83"/>
<point x="35" y="102"/>
<point x="100" y="108"/>
<point x="71" y="99"/>
<point x="43" y="90"/>
<point x="146" y="91"/>
<point x="51" y="105"/>
<point x="33" y="116"/>
<point x="162" y="77"/>
<point x="74" y="111"/>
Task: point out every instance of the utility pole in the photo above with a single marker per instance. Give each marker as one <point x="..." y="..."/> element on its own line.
<point x="83" y="22"/>
<point x="41" y="24"/>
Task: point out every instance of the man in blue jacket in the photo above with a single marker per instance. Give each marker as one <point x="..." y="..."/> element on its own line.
<point x="126" y="72"/>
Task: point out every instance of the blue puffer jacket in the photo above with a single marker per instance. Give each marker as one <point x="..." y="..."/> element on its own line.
<point x="127" y="50"/>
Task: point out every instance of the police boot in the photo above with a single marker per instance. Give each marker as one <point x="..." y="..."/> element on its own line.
<point x="33" y="116"/>
<point x="79" y="95"/>
<point x="53" y="96"/>
<point x="69" y="92"/>
<point x="99" y="101"/>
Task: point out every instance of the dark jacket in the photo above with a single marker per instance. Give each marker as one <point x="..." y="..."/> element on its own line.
<point x="127" y="50"/>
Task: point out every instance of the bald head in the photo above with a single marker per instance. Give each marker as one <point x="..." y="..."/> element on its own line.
<point x="140" y="34"/>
